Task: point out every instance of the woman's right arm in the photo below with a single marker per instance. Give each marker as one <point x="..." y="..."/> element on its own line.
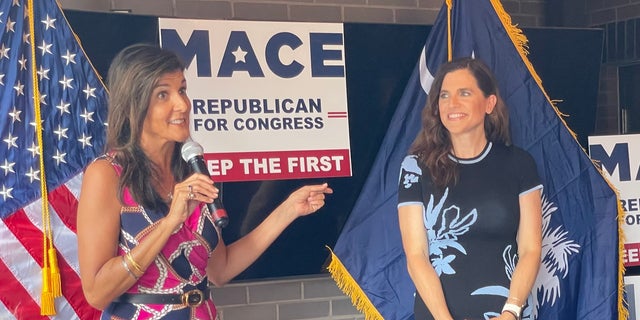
<point x="101" y="271"/>
<point x="424" y="276"/>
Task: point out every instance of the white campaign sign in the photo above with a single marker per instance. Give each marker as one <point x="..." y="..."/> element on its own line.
<point x="269" y="99"/>
<point x="632" y="290"/>
<point x="619" y="157"/>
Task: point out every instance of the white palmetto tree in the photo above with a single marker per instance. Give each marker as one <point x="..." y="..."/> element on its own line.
<point x="556" y="249"/>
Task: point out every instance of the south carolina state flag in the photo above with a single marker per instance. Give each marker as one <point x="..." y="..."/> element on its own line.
<point x="45" y="74"/>
<point x="580" y="273"/>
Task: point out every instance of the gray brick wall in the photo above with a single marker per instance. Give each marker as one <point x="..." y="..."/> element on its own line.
<point x="523" y="12"/>
<point x="598" y="13"/>
<point x="311" y="297"/>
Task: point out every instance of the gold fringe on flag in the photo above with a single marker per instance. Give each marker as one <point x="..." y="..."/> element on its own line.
<point x="520" y="42"/>
<point x="51" y="287"/>
<point x="350" y="287"/>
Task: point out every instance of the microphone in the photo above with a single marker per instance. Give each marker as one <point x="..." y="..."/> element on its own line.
<point x="192" y="153"/>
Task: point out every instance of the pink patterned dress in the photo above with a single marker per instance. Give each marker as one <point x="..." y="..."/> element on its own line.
<point x="179" y="268"/>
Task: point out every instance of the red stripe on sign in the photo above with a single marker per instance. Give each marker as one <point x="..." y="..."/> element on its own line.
<point x="631" y="254"/>
<point x="336" y="114"/>
<point x="276" y="165"/>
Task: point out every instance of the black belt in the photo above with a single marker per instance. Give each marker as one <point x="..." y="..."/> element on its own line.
<point x="191" y="298"/>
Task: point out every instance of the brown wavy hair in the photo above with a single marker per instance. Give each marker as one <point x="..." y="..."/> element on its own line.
<point x="433" y="143"/>
<point x="133" y="74"/>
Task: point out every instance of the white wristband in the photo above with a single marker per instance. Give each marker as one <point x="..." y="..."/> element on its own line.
<point x="515" y="309"/>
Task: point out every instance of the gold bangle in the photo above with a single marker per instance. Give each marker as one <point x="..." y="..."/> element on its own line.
<point x="134" y="263"/>
<point x="126" y="267"/>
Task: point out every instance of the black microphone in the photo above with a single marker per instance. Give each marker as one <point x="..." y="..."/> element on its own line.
<point x="192" y="153"/>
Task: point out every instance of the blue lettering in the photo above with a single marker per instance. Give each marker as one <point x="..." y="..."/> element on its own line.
<point x="239" y="56"/>
<point x="632" y="205"/>
<point x="619" y="158"/>
<point x="319" y="55"/>
<point x="197" y="46"/>
<point x="272" y="52"/>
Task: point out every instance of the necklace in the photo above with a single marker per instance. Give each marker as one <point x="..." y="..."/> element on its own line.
<point x="168" y="194"/>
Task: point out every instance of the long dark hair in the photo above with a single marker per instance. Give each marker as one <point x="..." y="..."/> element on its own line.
<point x="132" y="76"/>
<point x="433" y="143"/>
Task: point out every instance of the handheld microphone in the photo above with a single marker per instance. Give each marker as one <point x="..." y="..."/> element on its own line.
<point x="192" y="153"/>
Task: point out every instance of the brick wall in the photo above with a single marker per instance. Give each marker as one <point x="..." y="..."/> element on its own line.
<point x="312" y="297"/>
<point x="609" y="14"/>
<point x="523" y="12"/>
<point x="607" y="114"/>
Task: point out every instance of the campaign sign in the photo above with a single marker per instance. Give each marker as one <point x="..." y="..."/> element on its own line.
<point x="269" y="99"/>
<point x="619" y="158"/>
<point x="632" y="292"/>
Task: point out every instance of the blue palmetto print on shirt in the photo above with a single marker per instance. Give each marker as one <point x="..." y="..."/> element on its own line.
<point x="444" y="225"/>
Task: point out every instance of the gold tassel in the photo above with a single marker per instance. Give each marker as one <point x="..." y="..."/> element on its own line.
<point x="47" y="307"/>
<point x="350" y="287"/>
<point x="56" y="288"/>
<point x="50" y="271"/>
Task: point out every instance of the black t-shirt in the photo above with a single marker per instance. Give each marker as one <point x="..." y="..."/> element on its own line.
<point x="472" y="226"/>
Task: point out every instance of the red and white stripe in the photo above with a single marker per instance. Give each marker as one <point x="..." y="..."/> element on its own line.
<point x="21" y="258"/>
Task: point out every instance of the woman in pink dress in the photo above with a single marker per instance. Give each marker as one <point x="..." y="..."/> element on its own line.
<point x="147" y="244"/>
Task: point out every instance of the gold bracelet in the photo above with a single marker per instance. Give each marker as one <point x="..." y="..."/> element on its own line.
<point x="134" y="263"/>
<point x="126" y="267"/>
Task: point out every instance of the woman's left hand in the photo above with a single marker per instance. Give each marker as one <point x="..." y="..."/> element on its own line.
<point x="308" y="199"/>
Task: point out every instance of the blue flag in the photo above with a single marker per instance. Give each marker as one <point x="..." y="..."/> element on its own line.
<point x="579" y="276"/>
<point x="72" y="103"/>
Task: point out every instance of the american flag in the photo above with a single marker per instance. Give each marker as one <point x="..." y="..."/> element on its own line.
<point x="73" y="104"/>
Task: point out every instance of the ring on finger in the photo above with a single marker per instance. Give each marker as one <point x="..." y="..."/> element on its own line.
<point x="190" y="189"/>
<point x="191" y="195"/>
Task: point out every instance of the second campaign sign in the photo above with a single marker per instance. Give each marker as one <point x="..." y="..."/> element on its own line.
<point x="269" y="99"/>
<point x="619" y="157"/>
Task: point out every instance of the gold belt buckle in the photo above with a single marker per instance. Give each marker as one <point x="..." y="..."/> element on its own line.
<point x="192" y="298"/>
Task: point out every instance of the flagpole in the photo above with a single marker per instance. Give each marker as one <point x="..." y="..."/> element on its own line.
<point x="449" y="40"/>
